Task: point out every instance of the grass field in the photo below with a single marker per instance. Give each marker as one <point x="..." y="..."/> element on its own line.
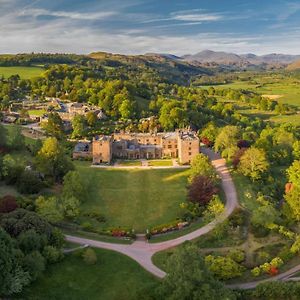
<point x="113" y="277"/>
<point x="23" y="72"/>
<point x="160" y="163"/>
<point x="287" y="88"/>
<point x="134" y="198"/>
<point x="293" y="119"/>
<point x="130" y="163"/>
<point x="36" y="112"/>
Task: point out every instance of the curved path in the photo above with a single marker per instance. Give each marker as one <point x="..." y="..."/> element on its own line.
<point x="285" y="276"/>
<point x="142" y="251"/>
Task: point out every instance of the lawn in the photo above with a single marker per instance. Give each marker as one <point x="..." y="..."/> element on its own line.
<point x="129" y="163"/>
<point x="134" y="198"/>
<point x="113" y="277"/>
<point x="36" y="112"/>
<point x="245" y="191"/>
<point x="160" y="163"/>
<point x="23" y="72"/>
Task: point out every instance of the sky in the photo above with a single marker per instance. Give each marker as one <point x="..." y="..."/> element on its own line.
<point x="141" y="26"/>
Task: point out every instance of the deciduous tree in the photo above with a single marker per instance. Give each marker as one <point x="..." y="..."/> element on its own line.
<point x="253" y="163"/>
<point x="189" y="279"/>
<point x="201" y="190"/>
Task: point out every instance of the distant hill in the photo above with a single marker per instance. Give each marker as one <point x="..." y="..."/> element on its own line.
<point x="209" y="56"/>
<point x="226" y="58"/>
<point x="169" y="68"/>
<point x="294" y="66"/>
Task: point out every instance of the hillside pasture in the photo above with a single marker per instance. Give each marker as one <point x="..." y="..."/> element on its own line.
<point x="23" y="72"/>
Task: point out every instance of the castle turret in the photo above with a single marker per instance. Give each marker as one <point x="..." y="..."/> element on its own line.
<point x="188" y="146"/>
<point x="102" y="149"/>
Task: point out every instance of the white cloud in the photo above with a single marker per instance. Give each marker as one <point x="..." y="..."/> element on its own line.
<point x="60" y="36"/>
<point x="35" y="12"/>
<point x="198" y="17"/>
<point x="22" y="31"/>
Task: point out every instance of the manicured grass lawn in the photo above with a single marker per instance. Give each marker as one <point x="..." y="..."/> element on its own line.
<point x="113" y="277"/>
<point x="130" y="163"/>
<point x="160" y="163"/>
<point x="23" y="72"/>
<point x="36" y="112"/>
<point x="134" y="198"/>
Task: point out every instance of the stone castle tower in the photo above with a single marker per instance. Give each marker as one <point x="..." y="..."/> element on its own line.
<point x="102" y="149"/>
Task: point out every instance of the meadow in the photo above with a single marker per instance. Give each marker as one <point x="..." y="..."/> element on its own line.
<point x="23" y="72"/>
<point x="133" y="198"/>
<point x="285" y="89"/>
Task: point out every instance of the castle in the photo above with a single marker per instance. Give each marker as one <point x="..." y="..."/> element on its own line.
<point x="183" y="145"/>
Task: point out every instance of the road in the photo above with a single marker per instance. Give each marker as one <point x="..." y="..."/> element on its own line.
<point x="142" y="251"/>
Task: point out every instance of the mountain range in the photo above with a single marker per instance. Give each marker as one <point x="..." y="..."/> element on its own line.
<point x="227" y="58"/>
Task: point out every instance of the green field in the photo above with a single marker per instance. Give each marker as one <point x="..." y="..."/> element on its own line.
<point x="36" y="112"/>
<point x="130" y="163"/>
<point x="160" y="163"/>
<point x="293" y="119"/>
<point x="23" y="72"/>
<point x="113" y="277"/>
<point x="288" y="89"/>
<point x="134" y="198"/>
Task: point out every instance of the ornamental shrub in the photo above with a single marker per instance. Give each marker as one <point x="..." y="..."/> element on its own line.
<point x="255" y="271"/>
<point x="89" y="256"/>
<point x="237" y="255"/>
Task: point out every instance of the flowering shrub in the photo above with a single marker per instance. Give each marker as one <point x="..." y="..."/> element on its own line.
<point x="273" y="271"/>
<point x="176" y="225"/>
<point x="121" y="232"/>
<point x="268" y="267"/>
<point x="115" y="232"/>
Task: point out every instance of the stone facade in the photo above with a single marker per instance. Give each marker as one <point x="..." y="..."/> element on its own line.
<point x="102" y="149"/>
<point x="183" y="145"/>
<point x="82" y="150"/>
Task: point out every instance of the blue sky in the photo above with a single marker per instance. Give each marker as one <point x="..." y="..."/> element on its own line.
<point x="140" y="26"/>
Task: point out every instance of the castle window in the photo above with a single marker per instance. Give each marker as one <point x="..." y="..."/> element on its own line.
<point x="190" y="143"/>
<point x="190" y="148"/>
<point x="190" y="153"/>
<point x="169" y="146"/>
